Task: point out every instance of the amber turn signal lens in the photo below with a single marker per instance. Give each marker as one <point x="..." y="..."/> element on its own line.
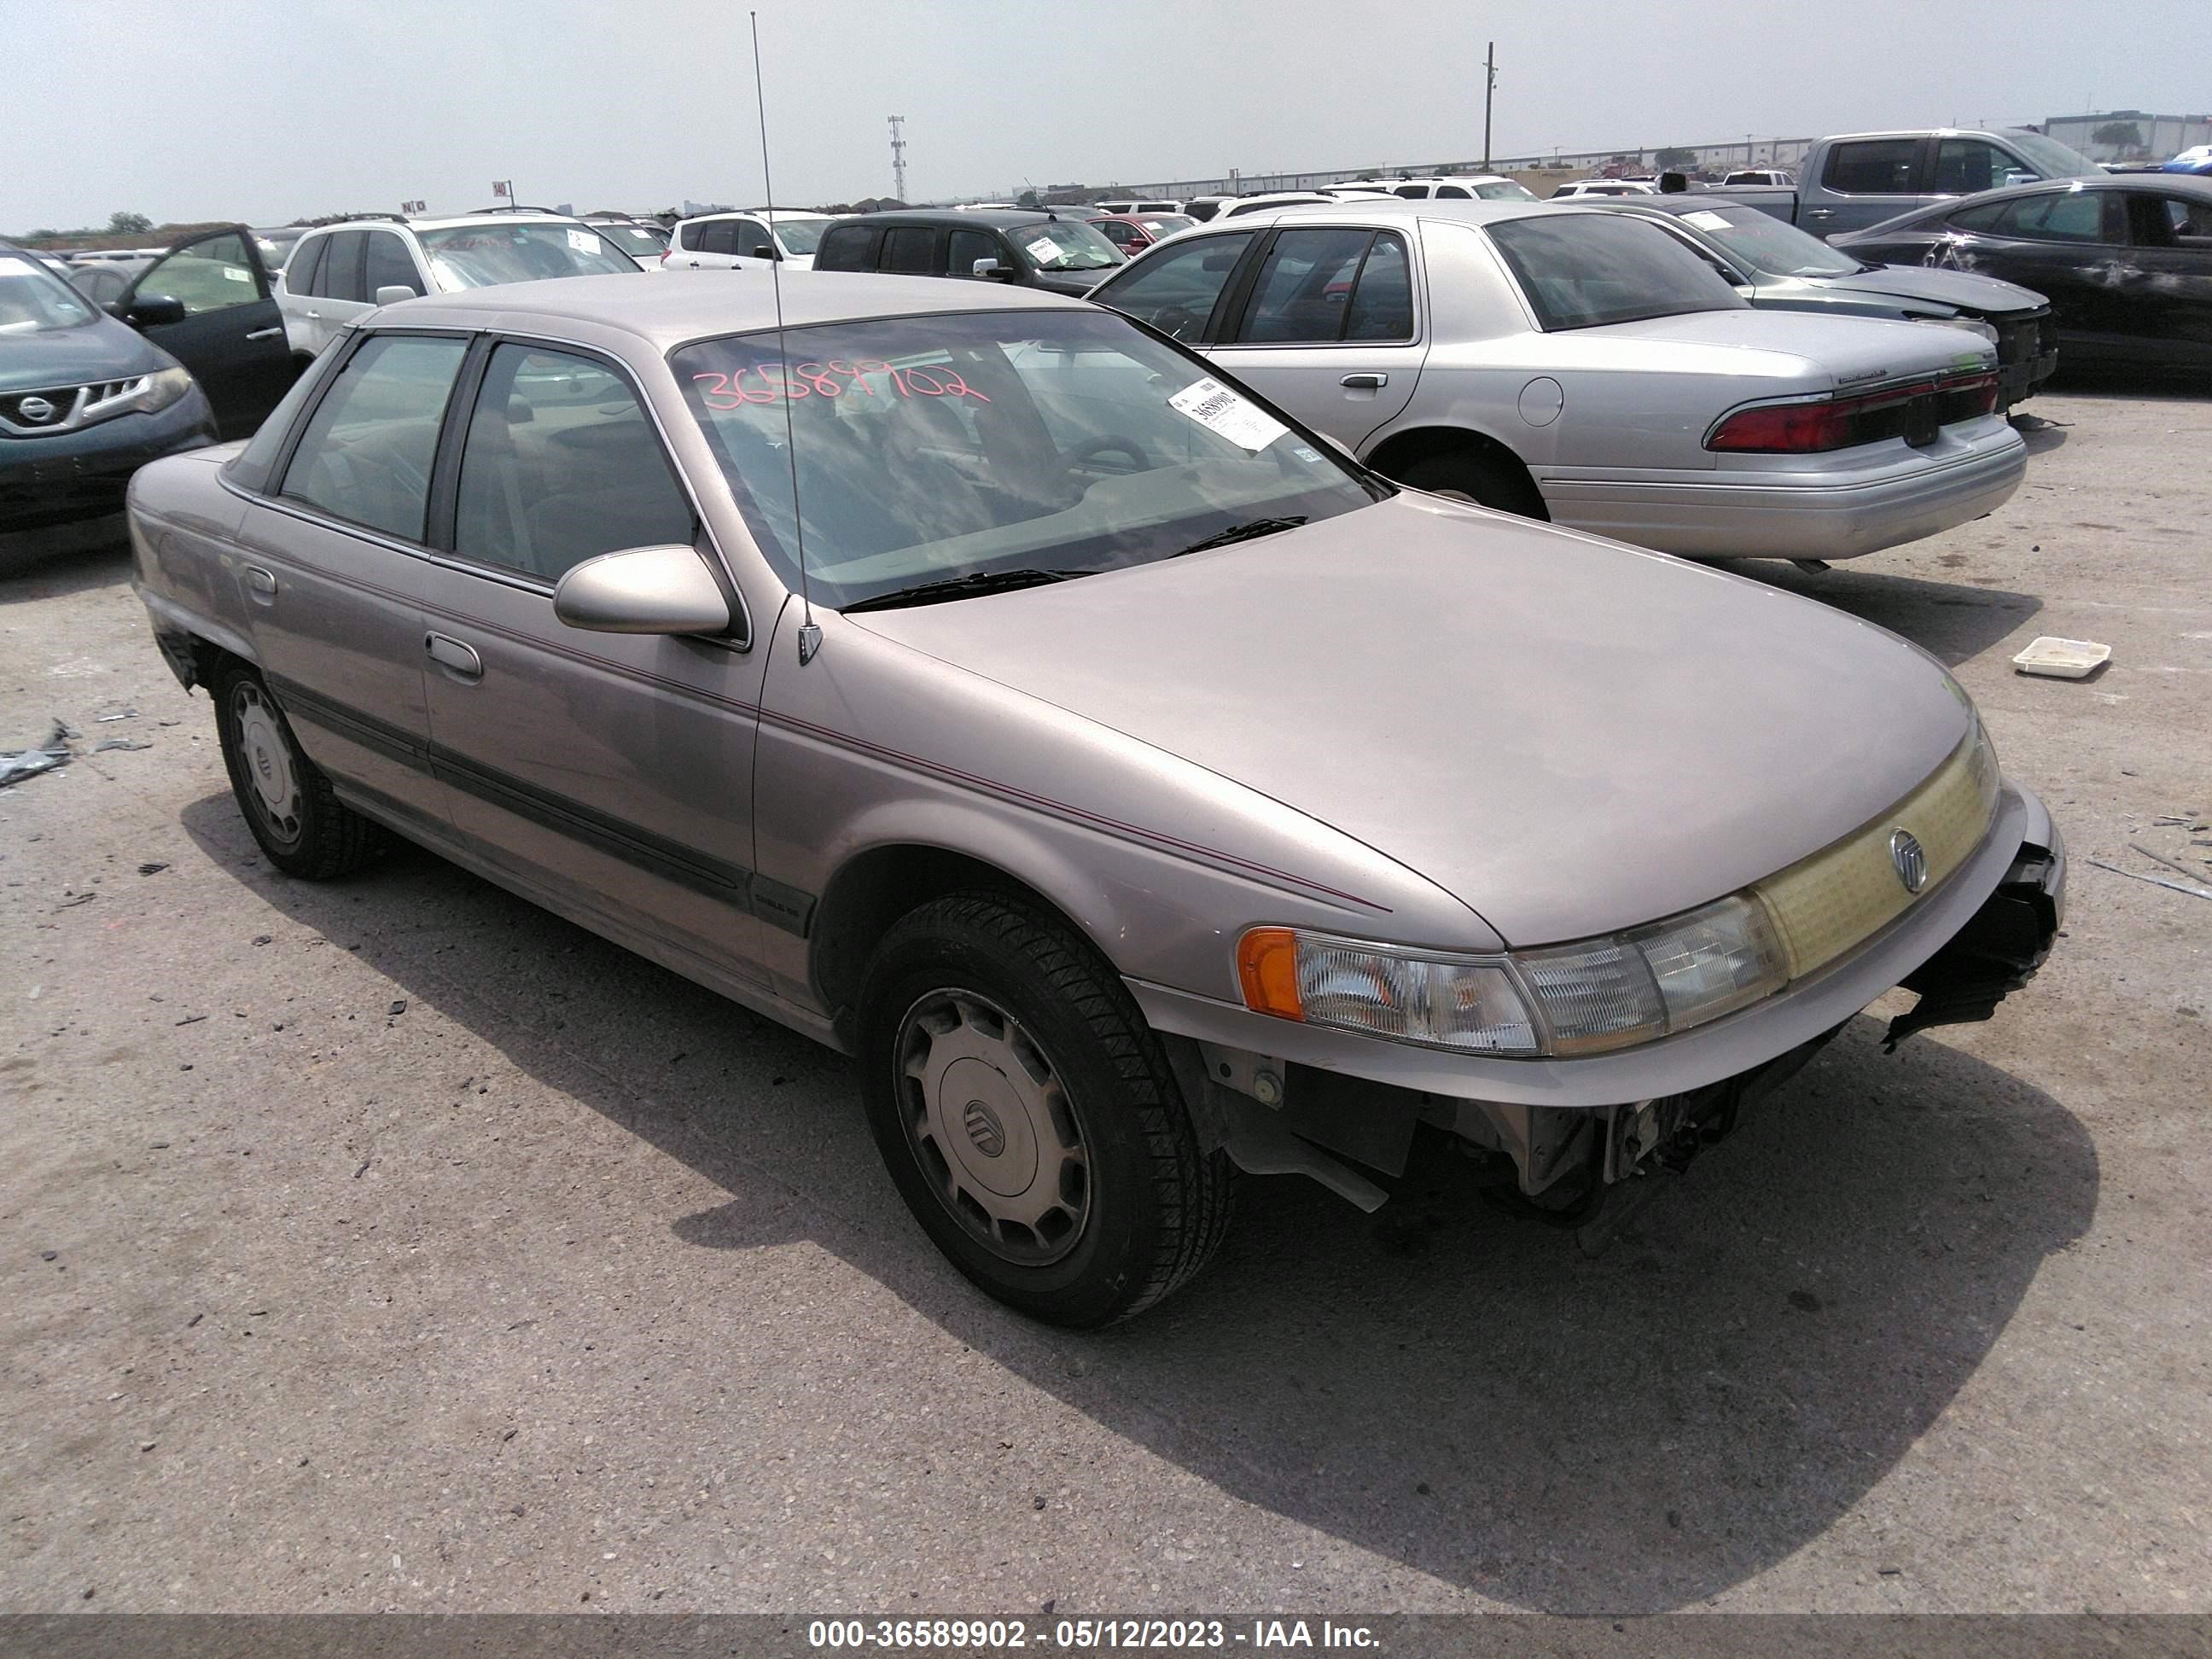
<point x="1267" y="970"/>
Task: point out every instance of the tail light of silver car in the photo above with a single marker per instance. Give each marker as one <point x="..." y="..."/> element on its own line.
<point x="1913" y="411"/>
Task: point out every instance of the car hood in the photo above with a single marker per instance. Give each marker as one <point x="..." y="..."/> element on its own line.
<point x="1846" y="348"/>
<point x="102" y="350"/>
<point x="1960" y="288"/>
<point x="1569" y="735"/>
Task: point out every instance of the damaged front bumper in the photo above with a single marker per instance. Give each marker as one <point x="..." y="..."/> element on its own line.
<point x="1324" y="1103"/>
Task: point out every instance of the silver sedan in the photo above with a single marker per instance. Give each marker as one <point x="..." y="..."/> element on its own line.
<point x="1141" y="792"/>
<point x="1581" y="365"/>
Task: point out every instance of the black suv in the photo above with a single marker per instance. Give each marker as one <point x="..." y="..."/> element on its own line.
<point x="1057" y="253"/>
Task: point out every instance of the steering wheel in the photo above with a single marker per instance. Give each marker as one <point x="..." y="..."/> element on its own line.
<point x="1091" y="448"/>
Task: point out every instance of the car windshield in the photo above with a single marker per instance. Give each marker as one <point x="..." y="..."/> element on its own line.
<point x="1606" y="270"/>
<point x="1766" y="243"/>
<point x="800" y="237"/>
<point x="989" y="445"/>
<point x="1064" y="244"/>
<point x="634" y="240"/>
<point x="34" y="300"/>
<point x="2052" y="159"/>
<point x="478" y="255"/>
<point x="1166" y="225"/>
<point x="1503" y="189"/>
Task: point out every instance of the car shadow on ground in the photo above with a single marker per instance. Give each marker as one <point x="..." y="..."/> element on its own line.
<point x="33" y="565"/>
<point x="1463" y="1393"/>
<point x="1955" y="621"/>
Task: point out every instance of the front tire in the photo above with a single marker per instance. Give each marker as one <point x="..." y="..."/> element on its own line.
<point x="1028" y="1116"/>
<point x="287" y="800"/>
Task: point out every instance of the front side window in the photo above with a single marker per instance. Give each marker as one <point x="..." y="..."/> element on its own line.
<point x="214" y="275"/>
<point x="478" y="255"/>
<point x="1064" y="245"/>
<point x="561" y="465"/>
<point x="367" y="454"/>
<point x="1332" y="284"/>
<point x="1176" y="289"/>
<point x="1119" y="232"/>
<point x="1874" y="166"/>
<point x="1608" y="270"/>
<point x="964" y="247"/>
<point x="390" y="265"/>
<point x="1964" y="166"/>
<point x="34" y="300"/>
<point x="992" y="444"/>
<point x="748" y="237"/>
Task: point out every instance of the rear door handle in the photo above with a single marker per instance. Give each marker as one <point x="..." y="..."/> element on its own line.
<point x="269" y="333"/>
<point x="456" y="658"/>
<point x="260" y="583"/>
<point x="317" y="315"/>
<point x="1820" y="213"/>
<point x="1365" y="382"/>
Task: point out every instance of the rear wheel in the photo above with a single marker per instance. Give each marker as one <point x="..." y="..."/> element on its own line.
<point x="286" y="799"/>
<point x="1028" y="1116"/>
<point x="1483" y="477"/>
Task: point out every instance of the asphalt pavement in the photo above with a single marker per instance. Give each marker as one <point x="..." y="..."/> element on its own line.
<point x="391" y="1244"/>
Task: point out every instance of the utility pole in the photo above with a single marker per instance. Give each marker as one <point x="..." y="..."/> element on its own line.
<point x="898" y="157"/>
<point x="1488" y="91"/>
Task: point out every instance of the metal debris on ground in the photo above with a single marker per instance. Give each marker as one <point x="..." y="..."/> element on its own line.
<point x="151" y="868"/>
<point x="120" y="714"/>
<point x="2160" y="858"/>
<point x="122" y="742"/>
<point x="29" y="762"/>
<point x="2155" y="881"/>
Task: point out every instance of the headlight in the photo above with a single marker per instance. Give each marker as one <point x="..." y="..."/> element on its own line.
<point x="144" y="396"/>
<point x="1566" y="999"/>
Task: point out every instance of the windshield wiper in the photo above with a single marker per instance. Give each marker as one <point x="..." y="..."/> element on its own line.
<point x="1242" y="532"/>
<point x="960" y="587"/>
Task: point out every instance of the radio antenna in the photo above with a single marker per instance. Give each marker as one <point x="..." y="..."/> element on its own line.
<point x="810" y="635"/>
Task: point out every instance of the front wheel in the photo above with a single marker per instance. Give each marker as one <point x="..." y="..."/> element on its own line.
<point x="1028" y="1117"/>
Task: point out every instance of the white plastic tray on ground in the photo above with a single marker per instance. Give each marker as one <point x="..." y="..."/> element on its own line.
<point x="2062" y="659"/>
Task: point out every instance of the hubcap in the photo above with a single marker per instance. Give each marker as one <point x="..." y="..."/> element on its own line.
<point x="268" y="759"/>
<point x="990" y="1124"/>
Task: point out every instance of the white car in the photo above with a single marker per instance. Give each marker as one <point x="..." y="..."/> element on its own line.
<point x="1268" y="202"/>
<point x="1582" y="187"/>
<point x="341" y="271"/>
<point x="1136" y="204"/>
<point x="1458" y="188"/>
<point x="724" y="242"/>
<point x="1760" y="176"/>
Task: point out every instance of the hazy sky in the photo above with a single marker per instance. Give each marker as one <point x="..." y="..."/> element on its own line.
<point x="265" y="110"/>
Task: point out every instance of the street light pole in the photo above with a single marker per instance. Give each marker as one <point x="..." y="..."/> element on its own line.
<point x="1488" y="91"/>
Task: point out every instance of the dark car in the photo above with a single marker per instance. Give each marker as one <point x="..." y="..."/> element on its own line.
<point x="1778" y="267"/>
<point x="84" y="401"/>
<point x="1057" y="252"/>
<point x="2125" y="260"/>
<point x="208" y="302"/>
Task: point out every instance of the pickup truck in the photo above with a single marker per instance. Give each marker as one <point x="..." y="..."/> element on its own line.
<point x="1861" y="179"/>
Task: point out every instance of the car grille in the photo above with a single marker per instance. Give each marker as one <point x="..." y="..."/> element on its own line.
<point x="68" y="405"/>
<point x="2023" y="339"/>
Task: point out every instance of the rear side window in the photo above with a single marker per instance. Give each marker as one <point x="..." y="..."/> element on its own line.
<point x="909" y="250"/>
<point x="1175" y="290"/>
<point x="1874" y="166"/>
<point x="848" y="247"/>
<point x="1982" y="217"/>
<point x="561" y="465"/>
<point x="1452" y="192"/>
<point x="305" y="268"/>
<point x="366" y="455"/>
<point x="390" y="265"/>
<point x="966" y="247"/>
<point x="341" y="278"/>
<point x="1332" y="284"/>
<point x="1412" y="192"/>
<point x="1578" y="273"/>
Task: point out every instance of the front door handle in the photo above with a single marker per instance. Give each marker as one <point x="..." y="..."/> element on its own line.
<point x="1365" y="382"/>
<point x="268" y="333"/>
<point x="456" y="658"/>
<point x="1820" y="213"/>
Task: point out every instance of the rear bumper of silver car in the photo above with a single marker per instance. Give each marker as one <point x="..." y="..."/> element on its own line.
<point x="1825" y="507"/>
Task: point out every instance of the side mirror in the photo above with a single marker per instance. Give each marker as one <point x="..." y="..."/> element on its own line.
<point x="763" y="250"/>
<point x="991" y="269"/>
<point x="393" y="293"/>
<point x="643" y="590"/>
<point x="154" y="310"/>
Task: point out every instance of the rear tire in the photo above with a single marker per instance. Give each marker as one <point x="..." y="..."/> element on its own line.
<point x="287" y="800"/>
<point x="1482" y="476"/>
<point x="1028" y="1116"/>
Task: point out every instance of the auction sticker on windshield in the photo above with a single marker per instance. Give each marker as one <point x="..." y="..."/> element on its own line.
<point x="1218" y="409"/>
<point x="1705" y="221"/>
<point x="583" y="241"/>
<point x="1044" y="250"/>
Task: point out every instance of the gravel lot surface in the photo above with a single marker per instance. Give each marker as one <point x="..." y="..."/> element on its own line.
<point x="390" y="1244"/>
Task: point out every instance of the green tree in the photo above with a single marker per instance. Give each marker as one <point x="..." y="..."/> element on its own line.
<point x="129" y="224"/>
<point x="1675" y="159"/>
<point x="2120" y="135"/>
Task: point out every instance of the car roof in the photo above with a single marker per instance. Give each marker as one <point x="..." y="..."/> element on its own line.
<point x="460" y="222"/>
<point x="772" y="215"/>
<point x="1386" y="208"/>
<point x="1005" y="218"/>
<point x="1939" y="132"/>
<point x="679" y="306"/>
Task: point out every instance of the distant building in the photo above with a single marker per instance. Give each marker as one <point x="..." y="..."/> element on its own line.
<point x="2157" y="137"/>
